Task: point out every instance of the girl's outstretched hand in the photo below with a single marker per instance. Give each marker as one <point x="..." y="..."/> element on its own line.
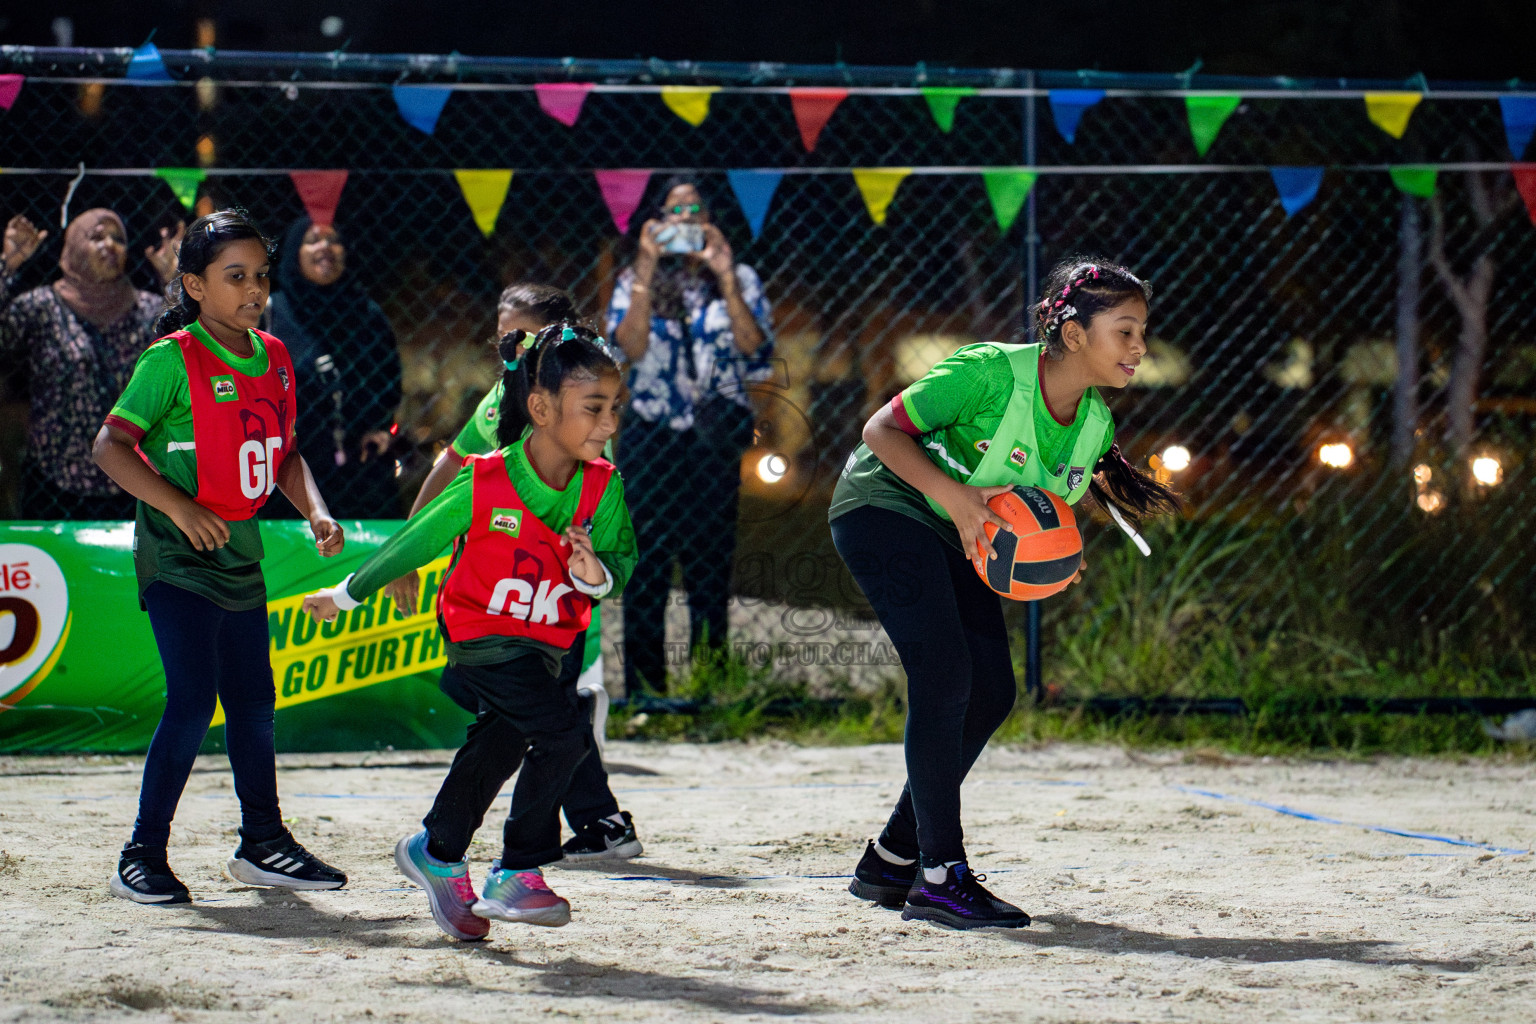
<point x="321" y="608"/>
<point x="329" y="537"/>
<point x="203" y="528"/>
<point x="584" y="562"/>
<point x="967" y="506"/>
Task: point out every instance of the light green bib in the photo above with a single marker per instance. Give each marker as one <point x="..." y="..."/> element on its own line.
<point x="1012" y="456"/>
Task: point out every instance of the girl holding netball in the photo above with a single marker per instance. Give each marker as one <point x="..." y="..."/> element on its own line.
<point x="907" y="517"/>
<point x="210" y="408"/>
<point x="601" y="831"/>
<point x="539" y="530"/>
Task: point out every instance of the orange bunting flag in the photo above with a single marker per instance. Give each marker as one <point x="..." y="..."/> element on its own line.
<point x="813" y="109"/>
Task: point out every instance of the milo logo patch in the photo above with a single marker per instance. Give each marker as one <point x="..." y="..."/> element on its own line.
<point x="1019" y="457"/>
<point x="507" y="520"/>
<point x="983" y="445"/>
<point x="223" y="389"/>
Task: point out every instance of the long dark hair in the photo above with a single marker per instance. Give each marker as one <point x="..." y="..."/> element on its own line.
<point x="1080" y="288"/>
<point x="205" y="239"/>
<point x="561" y="352"/>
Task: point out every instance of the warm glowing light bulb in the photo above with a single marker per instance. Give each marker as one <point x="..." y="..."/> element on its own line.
<point x="1421" y="474"/>
<point x="1431" y="501"/>
<point x="1486" y="470"/>
<point x="772" y="467"/>
<point x="1337" y="455"/>
<point x="1176" y="458"/>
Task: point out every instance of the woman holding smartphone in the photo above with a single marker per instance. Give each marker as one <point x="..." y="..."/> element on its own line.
<point x="693" y="327"/>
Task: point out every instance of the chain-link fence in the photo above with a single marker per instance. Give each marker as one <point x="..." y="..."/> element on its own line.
<point x="1395" y="329"/>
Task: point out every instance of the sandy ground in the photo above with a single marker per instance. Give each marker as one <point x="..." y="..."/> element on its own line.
<point x="1153" y="901"/>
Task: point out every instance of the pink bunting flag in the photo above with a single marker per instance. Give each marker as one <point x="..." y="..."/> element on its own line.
<point x="622" y="191"/>
<point x="813" y="108"/>
<point x="562" y="100"/>
<point x="10" y="88"/>
<point x="320" y="192"/>
<point x="1525" y="181"/>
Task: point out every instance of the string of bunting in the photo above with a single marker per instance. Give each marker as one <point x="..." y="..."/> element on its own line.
<point x="485" y="190"/>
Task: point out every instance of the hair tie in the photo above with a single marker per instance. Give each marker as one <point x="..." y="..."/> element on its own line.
<point x="566" y="334"/>
<point x="513" y="365"/>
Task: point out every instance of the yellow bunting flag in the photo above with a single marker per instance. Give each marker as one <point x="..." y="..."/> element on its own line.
<point x="1390" y="111"/>
<point x="689" y="102"/>
<point x="485" y="192"/>
<point x="878" y="186"/>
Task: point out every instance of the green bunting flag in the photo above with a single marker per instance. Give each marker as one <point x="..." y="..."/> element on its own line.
<point x="1008" y="190"/>
<point x="1390" y="111"/>
<point x="183" y="182"/>
<point x="878" y="186"/>
<point x="1416" y="181"/>
<point x="1206" y="116"/>
<point x="689" y="102"/>
<point x="485" y="191"/>
<point x="942" y="101"/>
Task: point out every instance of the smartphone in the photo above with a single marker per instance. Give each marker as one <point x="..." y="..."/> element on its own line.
<point x="680" y="239"/>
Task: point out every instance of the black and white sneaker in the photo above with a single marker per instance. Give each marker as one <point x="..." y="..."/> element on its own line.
<point x="143" y="876"/>
<point x="960" y="901"/>
<point x="604" y="839"/>
<point x="282" y="862"/>
<point x="879" y="881"/>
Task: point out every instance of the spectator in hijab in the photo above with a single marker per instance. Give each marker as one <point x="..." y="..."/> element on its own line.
<point x="70" y="348"/>
<point x="348" y="365"/>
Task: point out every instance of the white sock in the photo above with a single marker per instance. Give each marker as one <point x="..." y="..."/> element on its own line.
<point x="936" y="875"/>
<point x="891" y="858"/>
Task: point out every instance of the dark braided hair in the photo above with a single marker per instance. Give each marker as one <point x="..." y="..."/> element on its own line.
<point x="1080" y="288"/>
<point x="561" y="352"/>
<point x="204" y="240"/>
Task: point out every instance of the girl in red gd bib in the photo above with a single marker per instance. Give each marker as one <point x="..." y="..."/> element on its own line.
<point x="539" y="531"/>
<point x="201" y="436"/>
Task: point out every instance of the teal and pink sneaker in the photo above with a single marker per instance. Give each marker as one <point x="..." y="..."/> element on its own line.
<point x="449" y="890"/>
<point x="521" y="896"/>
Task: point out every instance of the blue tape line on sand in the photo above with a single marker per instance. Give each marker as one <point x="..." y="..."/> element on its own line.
<point x="1320" y="819"/>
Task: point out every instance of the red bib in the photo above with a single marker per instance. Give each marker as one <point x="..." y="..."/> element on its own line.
<point x="511" y="573"/>
<point x="242" y="426"/>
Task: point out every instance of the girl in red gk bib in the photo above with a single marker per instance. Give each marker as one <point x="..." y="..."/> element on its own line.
<point x="201" y="436"/>
<point x="539" y="529"/>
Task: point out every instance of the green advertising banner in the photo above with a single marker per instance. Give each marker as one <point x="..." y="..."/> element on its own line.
<point x="79" y="670"/>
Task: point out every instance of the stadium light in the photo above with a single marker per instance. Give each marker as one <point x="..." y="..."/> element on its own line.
<point x="1337" y="455"/>
<point x="772" y="467"/>
<point x="1176" y="458"/>
<point x="1486" y="470"/>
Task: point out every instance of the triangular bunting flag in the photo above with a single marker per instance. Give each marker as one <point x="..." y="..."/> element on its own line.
<point x="421" y="105"/>
<point x="754" y="191"/>
<point x="1007" y="190"/>
<point x="146" y="66"/>
<point x="622" y="191"/>
<point x="878" y="186"/>
<point x="1519" y="121"/>
<point x="942" y="101"/>
<point x="689" y="102"/>
<point x="485" y="192"/>
<point x="10" y="88"/>
<point x="813" y="108"/>
<point x="183" y="182"/>
<point x="1416" y="181"/>
<point x="320" y="191"/>
<point x="562" y="100"/>
<point x="1067" y="106"/>
<point x="1525" y="181"/>
<point x="1297" y="186"/>
<point x="1206" y="116"/>
<point x="1390" y="111"/>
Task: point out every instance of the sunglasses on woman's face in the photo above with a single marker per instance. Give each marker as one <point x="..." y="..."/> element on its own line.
<point x="683" y="209"/>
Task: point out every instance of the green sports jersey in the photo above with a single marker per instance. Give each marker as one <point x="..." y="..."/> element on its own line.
<point x="433" y="529"/>
<point x="156" y="410"/>
<point x="957" y="408"/>
<point x="479" y="435"/>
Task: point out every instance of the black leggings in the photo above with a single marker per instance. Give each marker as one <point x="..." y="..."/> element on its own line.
<point x="588" y="799"/>
<point x="210" y="652"/>
<point x="947" y="626"/>
<point x="529" y="719"/>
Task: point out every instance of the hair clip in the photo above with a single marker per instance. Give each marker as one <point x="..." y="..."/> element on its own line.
<point x="566" y="334"/>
